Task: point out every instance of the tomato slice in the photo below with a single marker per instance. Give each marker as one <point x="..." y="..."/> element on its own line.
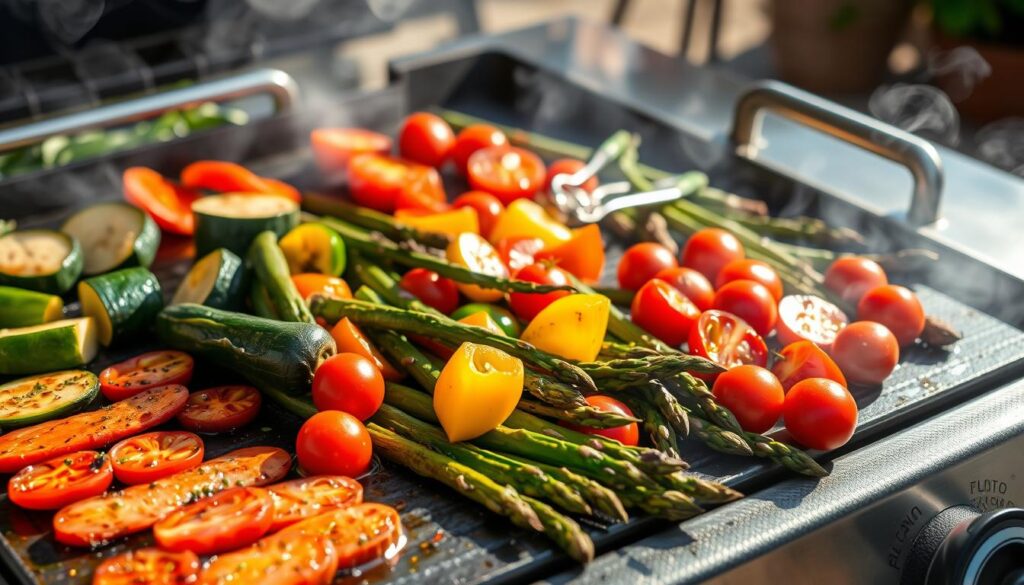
<point x="148" y="457"/>
<point x="727" y="340"/>
<point x="360" y="533"/>
<point x="151" y="566"/>
<point x="142" y="372"/>
<point x="220" y="409"/>
<point x="519" y="252"/>
<point x="229" y="177"/>
<point x="231" y="519"/>
<point x="334" y="147"/>
<point x="299" y="559"/>
<point x="507" y="172"/>
<point x="56" y="483"/>
<point x="311" y="496"/>
<point x="802" y="360"/>
<point x="376" y="181"/>
<point x="169" y="205"/>
<point x="811" y="318"/>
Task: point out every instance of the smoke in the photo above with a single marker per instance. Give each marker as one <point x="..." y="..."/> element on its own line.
<point x="1001" y="144"/>
<point x="67" y="21"/>
<point x="961" y="69"/>
<point x="389" y="10"/>
<point x="922" y="109"/>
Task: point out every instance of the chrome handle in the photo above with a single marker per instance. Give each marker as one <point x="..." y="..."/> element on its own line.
<point x="274" y="82"/>
<point x="916" y="154"/>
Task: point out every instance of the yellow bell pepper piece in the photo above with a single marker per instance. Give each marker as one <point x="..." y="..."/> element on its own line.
<point x="477" y="390"/>
<point x="482" y="319"/>
<point x="452" y="223"/>
<point x="476" y="254"/>
<point x="573" y="327"/>
<point x="524" y="218"/>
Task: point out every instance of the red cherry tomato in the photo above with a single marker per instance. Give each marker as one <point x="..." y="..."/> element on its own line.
<point x="332" y="442"/>
<point x="350" y="383"/>
<point x="376" y="181"/>
<point x="750" y="301"/>
<point x="220" y="409"/>
<point x="507" y="172"/>
<point x="640" y="262"/>
<point x="820" y="414"/>
<point x="897" y="308"/>
<point x="527" y="305"/>
<point x="148" y="457"/>
<point x="473" y="138"/>
<point x="811" y="318"/>
<point x="727" y="340"/>
<point x="663" y="311"/>
<point x="518" y="253"/>
<point x="487" y="206"/>
<point x="746" y="269"/>
<point x="866" y="352"/>
<point x="225" y="521"/>
<point x="142" y="372"/>
<point x="426" y="138"/>
<point x="55" y="483"/>
<point x="334" y="147"/>
<point x="851" y="277"/>
<point x="709" y="250"/>
<point x="627" y="435"/>
<point x="431" y="289"/>
<point x="568" y="166"/>
<point x="148" y="565"/>
<point x="802" y="360"/>
<point x="753" y="394"/>
<point x="691" y="283"/>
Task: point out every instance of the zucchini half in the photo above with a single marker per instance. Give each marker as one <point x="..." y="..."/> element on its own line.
<point x="37" y="399"/>
<point x="216" y="280"/>
<point x="63" y="344"/>
<point x="43" y="260"/>
<point x="22" y="308"/>
<point x="113" y="235"/>
<point x="123" y="303"/>
<point x="233" y="220"/>
<point x="314" y="247"/>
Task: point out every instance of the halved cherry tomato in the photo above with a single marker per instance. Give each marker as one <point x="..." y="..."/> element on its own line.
<point x="709" y="250"/>
<point x="231" y="519"/>
<point x="312" y="283"/>
<point x="311" y="496"/>
<point x="426" y="138"/>
<point x="727" y="340"/>
<point x="802" y="360"/>
<point x="332" y="442"/>
<point x="148" y="457"/>
<point x="334" y="147"/>
<point x="473" y="138"/>
<point x="220" y="409"/>
<point x="360" y="533"/>
<point x="518" y="253"/>
<point x="229" y="177"/>
<point x="568" y="166"/>
<point x="376" y="181"/>
<point x="431" y="289"/>
<point x="487" y="206"/>
<point x="747" y="269"/>
<point x="750" y="301"/>
<point x="820" y="414"/>
<point x="640" y="262"/>
<point x="299" y="559"/>
<point x="350" y="383"/>
<point x="583" y="255"/>
<point x="169" y="205"/>
<point x="811" y="318"/>
<point x="692" y="284"/>
<point x="477" y="255"/>
<point x="60" y="481"/>
<point x="507" y="172"/>
<point x="410" y="202"/>
<point x="851" y="277"/>
<point x="664" y="311"/>
<point x="142" y="372"/>
<point x="866" y="352"/>
<point x="753" y="394"/>
<point x="897" y="308"/>
<point x="527" y="305"/>
<point x="350" y="339"/>
<point x="151" y="566"/>
<point x="627" y="435"/>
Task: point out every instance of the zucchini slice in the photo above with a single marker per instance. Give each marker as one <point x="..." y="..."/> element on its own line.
<point x="314" y="247"/>
<point x="43" y="260"/>
<point x="45" y="397"/>
<point x="217" y="280"/>
<point x="22" y="308"/>
<point x="123" y="303"/>
<point x="233" y="220"/>
<point x="68" y="343"/>
<point x="113" y="235"/>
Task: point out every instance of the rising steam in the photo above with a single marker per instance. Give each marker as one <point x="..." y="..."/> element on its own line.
<point x="922" y="109"/>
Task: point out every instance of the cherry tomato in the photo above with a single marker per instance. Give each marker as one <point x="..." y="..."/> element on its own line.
<point x="220" y="409"/>
<point x="820" y="414"/>
<point x="60" y="481"/>
<point x="664" y="311"/>
<point x="426" y="138"/>
<point x="866" y="352"/>
<point x="802" y="360"/>
<point x="709" y="250"/>
<point x="473" y="138"/>
<point x="332" y="442"/>
<point x="527" y="305"/>
<point x="753" y="394"/>
<point x="169" y="205"/>
<point x="641" y="262"/>
<point x="627" y="434"/>
<point x="518" y="253"/>
<point x="376" y="181"/>
<point x="568" y="166"/>
<point x="487" y="206"/>
<point x="692" y="284"/>
<point x="312" y="283"/>
<point x="750" y="301"/>
<point x="228" y="520"/>
<point x="350" y="383"/>
<point x="148" y="457"/>
<point x="897" y="308"/>
<point x="727" y="340"/>
<point x="419" y="203"/>
<point x="811" y="318"/>
<point x="350" y="339"/>
<point x="148" y="565"/>
<point x="851" y="277"/>
<point x="477" y="255"/>
<point x="142" y="372"/>
<point x="746" y="269"/>
<point x="311" y="496"/>
<point x="507" y="172"/>
<point x="334" y="147"/>
<point x="431" y="289"/>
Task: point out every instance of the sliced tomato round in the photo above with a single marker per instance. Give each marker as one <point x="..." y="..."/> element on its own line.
<point x="60" y="481"/>
<point x="220" y="409"/>
<point x="727" y="340"/>
<point x="311" y="496"/>
<point x="518" y="253"/>
<point x="150" y="456"/>
<point x="507" y="172"/>
<point x="231" y="519"/>
<point x="333" y="147"/>
<point x="169" y="205"/>
<point x="811" y="318"/>
<point x="802" y="360"/>
<point x="299" y="559"/>
<point x="142" y="372"/>
<point x="151" y="566"/>
<point x="360" y="533"/>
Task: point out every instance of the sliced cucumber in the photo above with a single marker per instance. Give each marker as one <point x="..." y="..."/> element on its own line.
<point x="233" y="220"/>
<point x="22" y="308"/>
<point x="123" y="303"/>
<point x="314" y="247"/>
<point x="68" y="343"/>
<point x="113" y="235"/>
<point x="43" y="260"/>
<point x="217" y="280"/>
<point x="45" y="397"/>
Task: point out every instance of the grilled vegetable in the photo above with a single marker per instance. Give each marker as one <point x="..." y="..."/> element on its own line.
<point x="48" y="396"/>
<point x="314" y="247"/>
<point x="123" y="303"/>
<point x="41" y="260"/>
<point x="61" y="481"/>
<point x="22" y="308"/>
<point x="232" y="221"/>
<point x="271" y="268"/>
<point x="113" y="235"/>
<point x="216" y="280"/>
<point x="44" y="348"/>
<point x="259" y="301"/>
<point x="144" y="371"/>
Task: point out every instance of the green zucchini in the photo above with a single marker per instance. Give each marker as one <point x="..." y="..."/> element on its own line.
<point x="68" y="343"/>
<point x="43" y="260"/>
<point x="267" y="353"/>
<point x="37" y="399"/>
<point x="271" y="268"/>
<point x="21" y="308"/>
<point x="233" y="220"/>
<point x="113" y="235"/>
<point x="216" y="280"/>
<point x="123" y="302"/>
<point x="260" y="303"/>
<point x="314" y="247"/>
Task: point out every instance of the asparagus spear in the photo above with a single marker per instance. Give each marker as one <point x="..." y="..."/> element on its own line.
<point x="271" y="269"/>
<point x="661" y="434"/>
<point x="628" y="371"/>
<point x="587" y="416"/>
<point x="601" y="499"/>
<point x="370" y="219"/>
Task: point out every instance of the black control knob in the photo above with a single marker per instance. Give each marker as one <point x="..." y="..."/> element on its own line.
<point x="963" y="546"/>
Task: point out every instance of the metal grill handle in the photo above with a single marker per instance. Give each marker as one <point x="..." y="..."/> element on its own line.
<point x="916" y="154"/>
